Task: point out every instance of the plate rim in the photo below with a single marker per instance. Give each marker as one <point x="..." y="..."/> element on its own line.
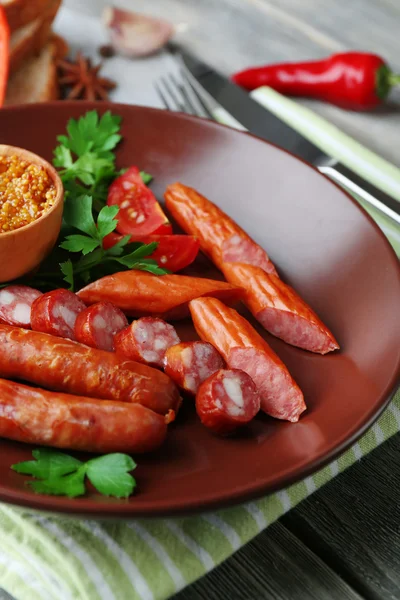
<point x="58" y="505"/>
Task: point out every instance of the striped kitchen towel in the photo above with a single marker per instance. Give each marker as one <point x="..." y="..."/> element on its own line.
<point x="53" y="558"/>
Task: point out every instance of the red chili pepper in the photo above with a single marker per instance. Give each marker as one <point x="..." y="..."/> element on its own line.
<point x="174" y="252"/>
<point x="139" y="212"/>
<point x="352" y="80"/>
<point x="4" y="53"/>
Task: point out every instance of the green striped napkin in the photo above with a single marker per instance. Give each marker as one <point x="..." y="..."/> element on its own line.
<point x="52" y="558"/>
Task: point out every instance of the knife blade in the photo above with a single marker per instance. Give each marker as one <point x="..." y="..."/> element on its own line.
<point x="259" y="121"/>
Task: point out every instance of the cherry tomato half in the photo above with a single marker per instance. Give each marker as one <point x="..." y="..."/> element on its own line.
<point x="139" y="212"/>
<point x="174" y="252"/>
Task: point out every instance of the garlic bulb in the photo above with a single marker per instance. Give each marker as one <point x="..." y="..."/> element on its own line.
<point x="133" y="34"/>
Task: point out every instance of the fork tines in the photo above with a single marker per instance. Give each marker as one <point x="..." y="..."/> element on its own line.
<point x="177" y="93"/>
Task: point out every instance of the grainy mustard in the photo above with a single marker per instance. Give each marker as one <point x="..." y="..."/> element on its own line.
<point x="26" y="192"/>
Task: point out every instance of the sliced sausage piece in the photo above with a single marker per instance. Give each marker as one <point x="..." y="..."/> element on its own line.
<point x="66" y="366"/>
<point x="226" y="400"/>
<point x="60" y="420"/>
<point x="243" y="348"/>
<point x="140" y="294"/>
<point x="221" y="239"/>
<point x="15" y="305"/>
<point x="191" y="363"/>
<point x="280" y="309"/>
<point x="97" y="325"/>
<point x="146" y="341"/>
<point x="55" y="313"/>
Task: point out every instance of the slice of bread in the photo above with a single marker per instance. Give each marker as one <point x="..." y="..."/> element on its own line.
<point x="31" y="38"/>
<point x="36" y="80"/>
<point x="22" y="12"/>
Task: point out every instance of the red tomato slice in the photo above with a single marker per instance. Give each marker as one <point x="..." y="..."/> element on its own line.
<point x="4" y="53"/>
<point x="174" y="252"/>
<point x="139" y="212"/>
<point x="165" y="229"/>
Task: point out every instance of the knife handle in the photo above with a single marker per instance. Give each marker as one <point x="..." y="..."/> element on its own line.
<point x="365" y="190"/>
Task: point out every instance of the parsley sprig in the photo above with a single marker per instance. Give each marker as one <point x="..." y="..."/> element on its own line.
<point x="60" y="474"/>
<point x="86" y="162"/>
<point x="79" y="215"/>
<point x="85" y="157"/>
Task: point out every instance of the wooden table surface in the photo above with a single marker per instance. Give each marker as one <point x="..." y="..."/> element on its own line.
<point x="233" y="34"/>
<point x="344" y="541"/>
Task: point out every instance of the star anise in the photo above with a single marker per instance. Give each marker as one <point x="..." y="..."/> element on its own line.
<point x="82" y="79"/>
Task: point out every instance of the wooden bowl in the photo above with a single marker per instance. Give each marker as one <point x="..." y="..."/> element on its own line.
<point x="23" y="249"/>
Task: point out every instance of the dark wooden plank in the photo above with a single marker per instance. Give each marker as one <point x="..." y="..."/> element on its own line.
<point x="349" y="531"/>
<point x="274" y="566"/>
<point x="353" y="524"/>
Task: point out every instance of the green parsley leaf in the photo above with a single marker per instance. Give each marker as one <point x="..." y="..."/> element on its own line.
<point x="73" y="188"/>
<point x="150" y="266"/>
<point x="107" y="133"/>
<point x="60" y="474"/>
<point x="78" y="142"/>
<point x="63" y="139"/>
<point x="72" y="485"/>
<point x="89" y="133"/>
<point x="48" y="464"/>
<point x="67" y="270"/>
<point x="82" y="169"/>
<point x="79" y="243"/>
<point x="146" y="177"/>
<point x="85" y="156"/>
<point x="87" y="125"/>
<point x="87" y="262"/>
<point x="139" y="253"/>
<point x="110" y="475"/>
<point x="62" y="157"/>
<point x="79" y="214"/>
<point x="106" y="222"/>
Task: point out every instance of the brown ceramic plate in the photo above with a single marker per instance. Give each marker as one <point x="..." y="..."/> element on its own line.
<point x="322" y="243"/>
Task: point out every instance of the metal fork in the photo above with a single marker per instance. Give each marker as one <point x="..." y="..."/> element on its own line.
<point x="180" y="95"/>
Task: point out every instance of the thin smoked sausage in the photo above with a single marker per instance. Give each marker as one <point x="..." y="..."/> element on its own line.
<point x="140" y="294"/>
<point x="53" y="419"/>
<point x="191" y="363"/>
<point x="226" y="400"/>
<point x="280" y="310"/>
<point x="243" y="348"/>
<point x="146" y="341"/>
<point x="221" y="239"/>
<point x="66" y="366"/>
